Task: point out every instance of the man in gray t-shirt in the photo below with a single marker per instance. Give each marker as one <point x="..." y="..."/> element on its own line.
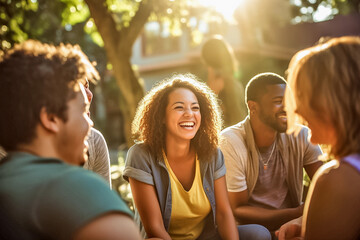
<point x="264" y="164"/>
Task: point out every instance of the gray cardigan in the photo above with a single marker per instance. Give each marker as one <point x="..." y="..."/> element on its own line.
<point x="141" y="165"/>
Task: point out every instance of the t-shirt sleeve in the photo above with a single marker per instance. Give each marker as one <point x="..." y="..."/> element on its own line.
<point x="235" y="163"/>
<point x="220" y="169"/>
<point x="72" y="200"/>
<point x="101" y="162"/>
<point x="312" y="151"/>
<point x="137" y="165"/>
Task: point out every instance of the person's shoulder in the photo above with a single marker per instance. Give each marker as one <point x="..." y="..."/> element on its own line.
<point x="218" y="155"/>
<point x="335" y="173"/>
<point x="234" y="131"/>
<point x="85" y="184"/>
<point x="302" y="132"/>
<point x="233" y="137"/>
<point x="94" y="131"/>
<point x="337" y="180"/>
<point x="139" y="148"/>
<point x="234" y="128"/>
<point x="341" y="172"/>
<point x="77" y="174"/>
<point x="96" y="134"/>
<point x="139" y="153"/>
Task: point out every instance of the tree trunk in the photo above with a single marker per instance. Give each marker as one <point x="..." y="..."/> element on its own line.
<point x="131" y="91"/>
<point x="118" y="44"/>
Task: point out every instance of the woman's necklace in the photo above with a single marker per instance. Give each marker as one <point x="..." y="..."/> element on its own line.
<point x="267" y="161"/>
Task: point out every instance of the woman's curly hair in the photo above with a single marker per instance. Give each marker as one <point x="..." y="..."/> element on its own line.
<point x="148" y="126"/>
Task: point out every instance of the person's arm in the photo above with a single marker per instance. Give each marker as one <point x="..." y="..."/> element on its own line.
<point x="224" y="217"/>
<point x="270" y="218"/>
<point x="114" y="226"/>
<point x="147" y="204"/>
<point x="312" y="168"/>
<point x="311" y="155"/>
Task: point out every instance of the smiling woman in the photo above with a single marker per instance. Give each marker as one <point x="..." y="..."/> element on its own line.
<point x="177" y="172"/>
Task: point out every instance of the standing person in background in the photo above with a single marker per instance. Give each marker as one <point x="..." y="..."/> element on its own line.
<point x="325" y="80"/>
<point x="223" y="78"/>
<point x="99" y="160"/>
<point x="177" y="173"/>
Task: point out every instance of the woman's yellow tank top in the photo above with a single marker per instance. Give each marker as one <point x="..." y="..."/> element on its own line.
<point x="189" y="208"/>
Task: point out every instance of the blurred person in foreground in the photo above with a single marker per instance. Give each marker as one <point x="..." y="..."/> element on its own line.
<point x="44" y="194"/>
<point x="264" y="164"/>
<point x="176" y="170"/>
<point x="223" y="73"/>
<point x="325" y="85"/>
<point x="98" y="152"/>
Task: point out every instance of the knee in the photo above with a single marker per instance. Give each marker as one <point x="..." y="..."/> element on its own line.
<point x="254" y="232"/>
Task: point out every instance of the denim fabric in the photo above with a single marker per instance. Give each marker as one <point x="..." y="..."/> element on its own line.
<point x="253" y="232"/>
<point x="143" y="166"/>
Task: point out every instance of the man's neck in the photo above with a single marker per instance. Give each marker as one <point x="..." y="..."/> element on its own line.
<point x="263" y="134"/>
<point x="40" y="146"/>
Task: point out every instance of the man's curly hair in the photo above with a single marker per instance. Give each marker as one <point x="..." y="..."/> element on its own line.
<point x="34" y="75"/>
<point x="148" y="125"/>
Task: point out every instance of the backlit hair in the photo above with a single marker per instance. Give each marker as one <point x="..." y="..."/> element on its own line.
<point x="148" y="125"/>
<point x="34" y="75"/>
<point x="325" y="80"/>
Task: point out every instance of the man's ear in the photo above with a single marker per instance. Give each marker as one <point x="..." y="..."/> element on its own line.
<point x="49" y="121"/>
<point x="252" y="105"/>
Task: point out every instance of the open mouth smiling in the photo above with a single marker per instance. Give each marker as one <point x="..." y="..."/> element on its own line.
<point x="187" y="125"/>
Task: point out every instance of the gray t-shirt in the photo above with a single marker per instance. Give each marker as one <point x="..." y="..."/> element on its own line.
<point x="242" y="163"/>
<point x="271" y="189"/>
<point x="99" y="160"/>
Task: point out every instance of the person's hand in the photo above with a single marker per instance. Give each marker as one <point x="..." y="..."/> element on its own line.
<point x="300" y="210"/>
<point x="290" y="230"/>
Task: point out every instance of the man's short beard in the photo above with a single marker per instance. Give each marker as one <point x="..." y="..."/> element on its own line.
<point x="271" y="122"/>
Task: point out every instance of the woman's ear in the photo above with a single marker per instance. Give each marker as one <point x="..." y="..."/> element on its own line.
<point x="49" y="121"/>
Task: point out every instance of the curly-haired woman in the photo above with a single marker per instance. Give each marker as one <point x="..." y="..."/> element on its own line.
<point x="177" y="171"/>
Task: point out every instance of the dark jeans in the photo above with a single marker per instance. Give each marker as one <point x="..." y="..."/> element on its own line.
<point x="253" y="232"/>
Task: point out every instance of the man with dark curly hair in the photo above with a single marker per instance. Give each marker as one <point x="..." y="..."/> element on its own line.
<point x="43" y="192"/>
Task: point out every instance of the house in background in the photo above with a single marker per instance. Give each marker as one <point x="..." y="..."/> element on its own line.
<point x="157" y="54"/>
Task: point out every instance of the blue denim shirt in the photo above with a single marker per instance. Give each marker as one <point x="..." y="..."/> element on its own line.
<point x="143" y="166"/>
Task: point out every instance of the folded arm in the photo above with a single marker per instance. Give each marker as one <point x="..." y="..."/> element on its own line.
<point x="270" y="218"/>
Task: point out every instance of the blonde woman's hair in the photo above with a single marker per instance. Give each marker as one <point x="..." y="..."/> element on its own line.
<point x="148" y="125"/>
<point x="325" y="80"/>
